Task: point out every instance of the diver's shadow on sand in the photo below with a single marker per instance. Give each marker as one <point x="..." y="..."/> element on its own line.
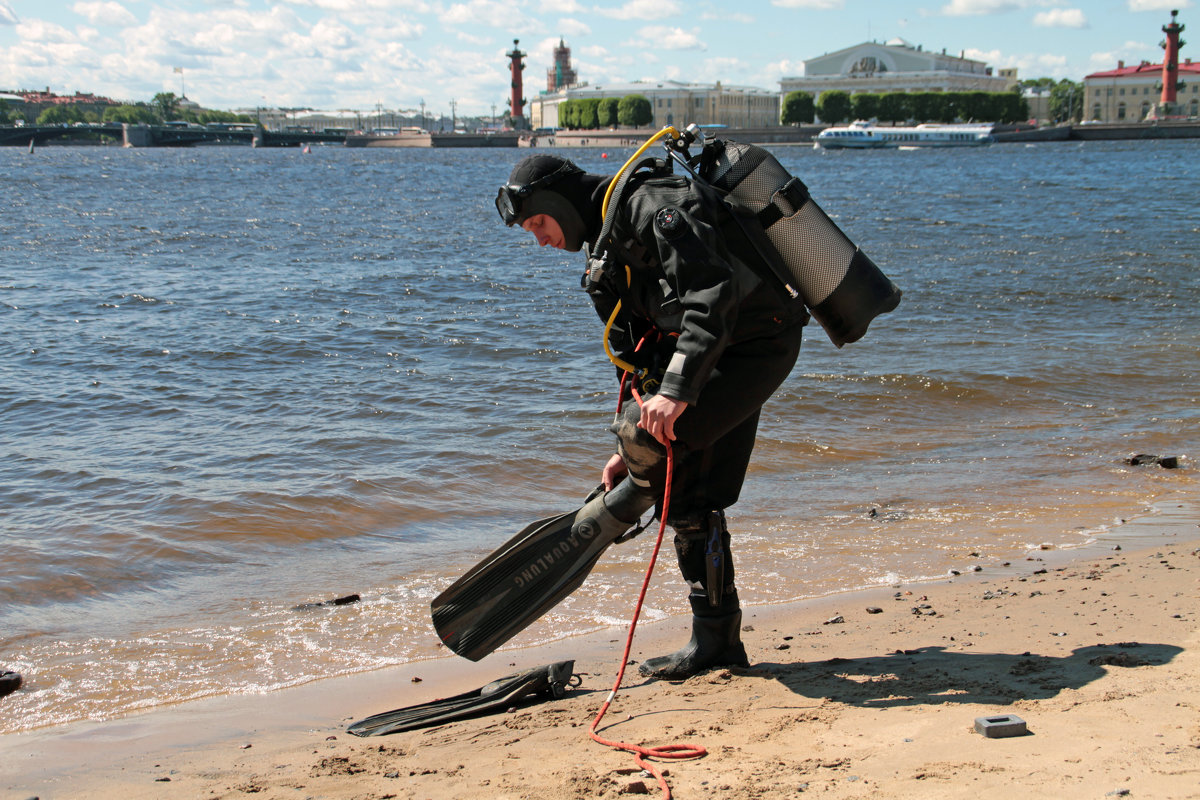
<point x="934" y="675"/>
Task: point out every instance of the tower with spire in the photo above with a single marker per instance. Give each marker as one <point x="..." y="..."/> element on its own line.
<point x="562" y="74"/>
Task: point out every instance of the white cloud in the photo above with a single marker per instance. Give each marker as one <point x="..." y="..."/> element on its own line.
<point x="814" y="5"/>
<point x="727" y="16"/>
<point x="991" y="57"/>
<point x="1158" y="5"/>
<point x="664" y="37"/>
<point x="1060" y="18"/>
<point x="341" y="6"/>
<point x="38" y="31"/>
<point x="7" y="17"/>
<point x="478" y="41"/>
<point x="725" y="69"/>
<point x="970" y="8"/>
<point x="105" y="13"/>
<point x="786" y="68"/>
<point x="1130" y="52"/>
<point x="643" y="9"/>
<point x="568" y="26"/>
<point x="561" y="7"/>
<point x="491" y="13"/>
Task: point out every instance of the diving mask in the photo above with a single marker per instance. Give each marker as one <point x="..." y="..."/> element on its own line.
<point x="511" y="198"/>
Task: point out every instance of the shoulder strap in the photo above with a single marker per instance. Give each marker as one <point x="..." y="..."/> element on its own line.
<point x="598" y="260"/>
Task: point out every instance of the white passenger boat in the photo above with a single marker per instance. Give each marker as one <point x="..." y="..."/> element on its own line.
<point x="863" y="135"/>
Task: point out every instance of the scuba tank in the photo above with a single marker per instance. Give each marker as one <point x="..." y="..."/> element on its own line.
<point x="806" y="250"/>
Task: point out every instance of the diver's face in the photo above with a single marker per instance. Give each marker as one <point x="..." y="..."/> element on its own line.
<point x="547" y="230"/>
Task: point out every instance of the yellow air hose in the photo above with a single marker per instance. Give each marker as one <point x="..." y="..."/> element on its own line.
<point x="621" y="363"/>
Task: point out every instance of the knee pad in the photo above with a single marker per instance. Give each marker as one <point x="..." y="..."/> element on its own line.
<point x="644" y="457"/>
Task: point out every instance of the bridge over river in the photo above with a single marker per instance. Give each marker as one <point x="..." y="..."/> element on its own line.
<point x="165" y="135"/>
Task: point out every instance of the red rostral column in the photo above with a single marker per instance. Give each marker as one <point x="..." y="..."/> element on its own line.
<point x="1170" y="72"/>
<point x="516" y="66"/>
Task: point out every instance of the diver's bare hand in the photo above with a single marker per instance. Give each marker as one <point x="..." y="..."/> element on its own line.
<point x="658" y="417"/>
<point x="614" y="470"/>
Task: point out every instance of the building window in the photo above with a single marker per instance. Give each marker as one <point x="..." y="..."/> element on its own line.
<point x="1121" y="111"/>
<point x="1110" y="91"/>
<point x="1096" y="111"/>
<point x="1122" y="91"/>
<point x="1145" y="109"/>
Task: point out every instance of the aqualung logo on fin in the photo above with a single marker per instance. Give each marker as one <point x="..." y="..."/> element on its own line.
<point x="581" y="535"/>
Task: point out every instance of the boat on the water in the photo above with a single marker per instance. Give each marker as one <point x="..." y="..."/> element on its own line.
<point x="861" y="135"/>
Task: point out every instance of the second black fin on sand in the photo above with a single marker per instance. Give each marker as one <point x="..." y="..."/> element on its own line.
<point x="547" y="682"/>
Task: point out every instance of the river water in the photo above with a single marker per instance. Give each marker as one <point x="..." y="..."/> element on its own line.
<point x="234" y="381"/>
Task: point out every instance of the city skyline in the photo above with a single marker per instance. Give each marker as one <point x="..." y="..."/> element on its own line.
<point x="360" y="54"/>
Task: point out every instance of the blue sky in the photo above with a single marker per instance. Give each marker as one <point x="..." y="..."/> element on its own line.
<point x="355" y="54"/>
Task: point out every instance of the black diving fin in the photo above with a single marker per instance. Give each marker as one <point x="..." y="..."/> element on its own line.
<point x="533" y="572"/>
<point x="547" y="682"/>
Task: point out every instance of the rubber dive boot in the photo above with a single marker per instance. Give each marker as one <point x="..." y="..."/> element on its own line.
<point x="705" y="561"/>
<point x="715" y="642"/>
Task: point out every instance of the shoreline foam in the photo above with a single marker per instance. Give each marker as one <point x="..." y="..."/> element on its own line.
<point x="880" y="703"/>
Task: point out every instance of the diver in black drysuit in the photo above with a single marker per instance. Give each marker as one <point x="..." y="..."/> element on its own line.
<point x="715" y="334"/>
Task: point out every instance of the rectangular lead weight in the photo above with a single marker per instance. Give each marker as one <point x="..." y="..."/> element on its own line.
<point x="1000" y="727"/>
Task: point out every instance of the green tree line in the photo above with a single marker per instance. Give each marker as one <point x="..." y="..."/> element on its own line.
<point x="630" y="111"/>
<point x="838" y="106"/>
<point x="164" y="107"/>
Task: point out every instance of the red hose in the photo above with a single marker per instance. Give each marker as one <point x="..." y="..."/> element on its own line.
<point x="666" y="751"/>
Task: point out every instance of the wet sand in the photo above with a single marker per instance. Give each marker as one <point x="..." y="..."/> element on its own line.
<point x="865" y="694"/>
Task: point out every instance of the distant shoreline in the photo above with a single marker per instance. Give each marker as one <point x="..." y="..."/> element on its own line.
<point x="779" y="134"/>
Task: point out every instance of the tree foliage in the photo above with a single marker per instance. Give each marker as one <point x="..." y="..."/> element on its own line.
<point x="64" y="115"/>
<point x="167" y="104"/>
<point x="893" y="107"/>
<point x="1066" y="101"/>
<point x="591" y="113"/>
<point x="833" y="107"/>
<point x="798" y="108"/>
<point x="140" y="114"/>
<point x="635" y="110"/>
<point x="864" y="105"/>
<point x="588" y="117"/>
<point x="607" y="113"/>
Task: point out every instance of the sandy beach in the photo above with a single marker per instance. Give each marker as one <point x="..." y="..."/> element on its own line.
<point x="866" y="694"/>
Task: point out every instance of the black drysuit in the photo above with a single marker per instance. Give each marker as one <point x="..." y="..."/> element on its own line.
<point x="718" y="331"/>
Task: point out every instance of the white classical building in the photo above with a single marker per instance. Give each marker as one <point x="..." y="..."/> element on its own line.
<point x="895" y="66"/>
<point x="672" y="102"/>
